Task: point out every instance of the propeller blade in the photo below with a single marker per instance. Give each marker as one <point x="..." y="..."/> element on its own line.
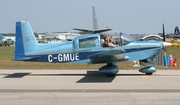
<point x="164" y="38"/>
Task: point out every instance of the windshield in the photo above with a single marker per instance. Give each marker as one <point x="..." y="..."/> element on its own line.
<point x="124" y="38"/>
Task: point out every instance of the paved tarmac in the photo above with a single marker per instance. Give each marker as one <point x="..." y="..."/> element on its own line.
<point x="88" y="87"/>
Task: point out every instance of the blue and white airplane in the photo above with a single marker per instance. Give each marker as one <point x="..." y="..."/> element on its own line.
<point x="85" y="49"/>
<point x="2" y="38"/>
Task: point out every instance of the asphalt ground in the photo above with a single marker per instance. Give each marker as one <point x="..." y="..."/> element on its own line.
<point x="88" y="87"/>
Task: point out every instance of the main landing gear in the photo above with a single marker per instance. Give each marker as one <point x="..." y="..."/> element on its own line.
<point x="110" y="70"/>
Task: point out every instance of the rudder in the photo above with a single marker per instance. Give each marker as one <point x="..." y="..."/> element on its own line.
<point x="25" y="40"/>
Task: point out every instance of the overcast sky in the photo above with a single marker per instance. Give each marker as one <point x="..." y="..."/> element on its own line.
<point x="129" y="16"/>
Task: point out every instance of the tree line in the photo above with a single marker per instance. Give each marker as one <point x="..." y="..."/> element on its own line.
<point x="36" y="34"/>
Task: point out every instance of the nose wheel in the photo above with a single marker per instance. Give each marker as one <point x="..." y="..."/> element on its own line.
<point x="149" y="70"/>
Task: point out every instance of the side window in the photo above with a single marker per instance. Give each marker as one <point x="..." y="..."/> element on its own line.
<point x="88" y="42"/>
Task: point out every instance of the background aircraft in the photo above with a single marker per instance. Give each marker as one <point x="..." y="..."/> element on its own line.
<point x="2" y="38"/>
<point x="85" y="49"/>
<point x="176" y="33"/>
<point x="175" y="39"/>
<point x="5" y="41"/>
<point x="95" y="25"/>
<point x="103" y="32"/>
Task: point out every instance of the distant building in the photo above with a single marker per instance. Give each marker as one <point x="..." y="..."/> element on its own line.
<point x="58" y="36"/>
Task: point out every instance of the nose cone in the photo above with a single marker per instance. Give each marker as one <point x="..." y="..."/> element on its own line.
<point x="167" y="44"/>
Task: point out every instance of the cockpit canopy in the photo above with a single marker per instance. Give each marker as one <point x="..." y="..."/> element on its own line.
<point x="87" y="42"/>
<point x="118" y="36"/>
<point x="93" y="41"/>
<point x="125" y="38"/>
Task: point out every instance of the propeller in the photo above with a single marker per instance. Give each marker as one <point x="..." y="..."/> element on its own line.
<point x="165" y="44"/>
<point x="164" y="38"/>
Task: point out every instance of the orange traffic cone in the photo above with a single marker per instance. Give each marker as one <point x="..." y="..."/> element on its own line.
<point x="171" y="61"/>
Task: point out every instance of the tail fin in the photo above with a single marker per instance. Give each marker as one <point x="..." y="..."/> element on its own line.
<point x="176" y="31"/>
<point x="95" y="24"/>
<point x="25" y="40"/>
<point x="1" y="37"/>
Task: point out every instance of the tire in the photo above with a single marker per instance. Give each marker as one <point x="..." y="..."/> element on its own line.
<point x="149" y="73"/>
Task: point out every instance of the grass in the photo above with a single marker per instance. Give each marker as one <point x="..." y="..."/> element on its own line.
<point x="7" y="62"/>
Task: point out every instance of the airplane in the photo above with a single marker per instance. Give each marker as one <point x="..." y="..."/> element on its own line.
<point x="5" y="41"/>
<point x="2" y="38"/>
<point x="175" y="42"/>
<point x="84" y="49"/>
<point x="176" y="33"/>
<point x="95" y="25"/>
<point x="103" y="32"/>
<point x="175" y="39"/>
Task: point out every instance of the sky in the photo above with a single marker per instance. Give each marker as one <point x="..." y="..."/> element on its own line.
<point x="128" y="16"/>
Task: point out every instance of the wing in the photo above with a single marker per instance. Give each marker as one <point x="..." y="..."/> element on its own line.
<point x="109" y="56"/>
<point x="93" y="31"/>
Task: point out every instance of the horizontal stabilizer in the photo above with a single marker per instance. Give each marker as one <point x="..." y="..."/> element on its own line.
<point x="93" y="31"/>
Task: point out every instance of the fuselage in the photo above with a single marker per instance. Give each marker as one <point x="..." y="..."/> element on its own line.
<point x="66" y="52"/>
<point x="85" y="49"/>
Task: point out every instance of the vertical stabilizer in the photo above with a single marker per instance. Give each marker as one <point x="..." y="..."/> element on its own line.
<point x="95" y="24"/>
<point x="25" y="40"/>
<point x="176" y="31"/>
<point x="1" y="37"/>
